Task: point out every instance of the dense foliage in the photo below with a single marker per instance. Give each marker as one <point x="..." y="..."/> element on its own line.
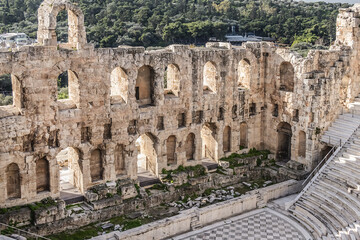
<point x="161" y="22"/>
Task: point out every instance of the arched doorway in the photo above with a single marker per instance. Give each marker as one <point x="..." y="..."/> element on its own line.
<point x="147" y="156"/>
<point x="227" y="139"/>
<point x="42" y="175"/>
<point x="96" y="165"/>
<point x="171" y="150"/>
<point x="243" y="135"/>
<point x="71" y="172"/>
<point x="190" y="147"/>
<point x="119" y="155"/>
<point x="284" y="141"/>
<point x="13" y="183"/>
<point x="209" y="142"/>
<point x="302" y="144"/>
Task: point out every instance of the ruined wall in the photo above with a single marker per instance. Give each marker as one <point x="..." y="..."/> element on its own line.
<point x="39" y="125"/>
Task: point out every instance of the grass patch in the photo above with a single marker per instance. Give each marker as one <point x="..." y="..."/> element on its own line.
<point x="235" y="159"/>
<point x="86" y="232"/>
<point x="192" y="171"/>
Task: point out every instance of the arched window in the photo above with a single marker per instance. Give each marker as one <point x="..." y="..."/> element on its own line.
<point x="170" y="150"/>
<point x="244" y="74"/>
<point x="172" y="80"/>
<point x="68" y="87"/>
<point x="10" y="91"/>
<point x="209" y="78"/>
<point x="119" y="86"/>
<point x="47" y="24"/>
<point x="96" y="166"/>
<point x="302" y="144"/>
<point x="13" y="182"/>
<point x="227" y="139"/>
<point x="144" y="88"/>
<point x="286" y="77"/>
<point x="42" y="175"/>
<point x="243" y="135"/>
<point x="190" y="147"/>
<point x="119" y="159"/>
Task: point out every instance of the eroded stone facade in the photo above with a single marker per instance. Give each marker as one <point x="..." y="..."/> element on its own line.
<point x="212" y="102"/>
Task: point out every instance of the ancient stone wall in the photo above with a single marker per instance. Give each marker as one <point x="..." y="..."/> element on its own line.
<point x="119" y="94"/>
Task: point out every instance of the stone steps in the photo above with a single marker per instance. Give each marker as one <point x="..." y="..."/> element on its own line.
<point x="330" y="207"/>
<point x="341" y="129"/>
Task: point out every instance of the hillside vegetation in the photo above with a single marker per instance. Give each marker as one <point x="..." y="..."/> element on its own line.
<point x="161" y="22"/>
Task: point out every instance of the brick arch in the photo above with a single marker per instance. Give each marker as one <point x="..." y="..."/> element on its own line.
<point x="47" y="14"/>
<point x="13" y="181"/>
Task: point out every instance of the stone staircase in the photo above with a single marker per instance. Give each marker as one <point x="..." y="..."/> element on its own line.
<point x="329" y="207"/>
<point x="341" y="129"/>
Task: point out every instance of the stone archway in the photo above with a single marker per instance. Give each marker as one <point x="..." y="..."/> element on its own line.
<point x="147" y="155"/>
<point x="144" y="88"/>
<point x="47" y="14"/>
<point x="13" y="181"/>
<point x="71" y="171"/>
<point x="171" y="150"/>
<point x="209" y="142"/>
<point x="96" y="165"/>
<point x="227" y="139"/>
<point x="42" y="175"/>
<point x="284" y="141"/>
<point x="190" y="147"/>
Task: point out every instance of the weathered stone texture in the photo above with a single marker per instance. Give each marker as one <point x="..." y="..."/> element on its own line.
<point x="227" y="98"/>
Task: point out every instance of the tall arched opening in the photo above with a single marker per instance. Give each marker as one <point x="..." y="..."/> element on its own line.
<point x="209" y="142"/>
<point x="244" y="74"/>
<point x="190" y="147"/>
<point x="286" y="77"/>
<point x="227" y="139"/>
<point x="13" y="181"/>
<point x="284" y="141"/>
<point x="209" y="78"/>
<point x="171" y="150"/>
<point x="71" y="172"/>
<point x="144" y="88"/>
<point x="119" y="86"/>
<point x="96" y="165"/>
<point x="172" y="80"/>
<point x="147" y="155"/>
<point x="302" y="144"/>
<point x="243" y="135"/>
<point x="42" y="175"/>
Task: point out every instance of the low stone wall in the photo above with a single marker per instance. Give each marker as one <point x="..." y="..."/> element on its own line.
<point x="198" y="217"/>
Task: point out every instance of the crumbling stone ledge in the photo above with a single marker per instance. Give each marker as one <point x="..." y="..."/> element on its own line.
<point x="193" y="218"/>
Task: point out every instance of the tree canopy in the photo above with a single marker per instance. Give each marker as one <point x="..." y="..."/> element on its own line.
<point x="110" y="23"/>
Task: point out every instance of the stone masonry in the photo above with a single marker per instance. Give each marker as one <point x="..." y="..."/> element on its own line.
<point x="174" y="106"/>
